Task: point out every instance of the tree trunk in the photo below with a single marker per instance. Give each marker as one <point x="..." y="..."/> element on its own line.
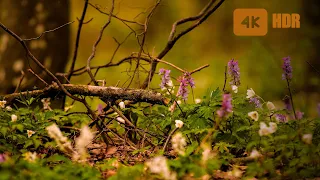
<point x="28" y="19"/>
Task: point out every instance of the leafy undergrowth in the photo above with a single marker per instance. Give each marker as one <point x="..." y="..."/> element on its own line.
<point x="205" y="146"/>
<point x="224" y="135"/>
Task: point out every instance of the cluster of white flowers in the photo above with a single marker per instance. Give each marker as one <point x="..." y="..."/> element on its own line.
<point x="80" y="150"/>
<point x="158" y="165"/>
<point x="254" y="115"/>
<point x="271" y="106"/>
<point x="46" y="103"/>
<point x="178" y="143"/>
<point x="265" y="130"/>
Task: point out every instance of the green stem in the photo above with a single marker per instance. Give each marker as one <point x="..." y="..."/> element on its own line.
<point x="291" y="99"/>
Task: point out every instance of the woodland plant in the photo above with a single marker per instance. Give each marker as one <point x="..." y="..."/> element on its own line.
<point x="228" y="135"/>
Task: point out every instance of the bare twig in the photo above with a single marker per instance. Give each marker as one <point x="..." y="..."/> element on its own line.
<point x="75" y="53"/>
<point x="48" y="31"/>
<point x="37" y="76"/>
<point x="20" y="81"/>
<point x="173" y="39"/>
<point x="88" y="68"/>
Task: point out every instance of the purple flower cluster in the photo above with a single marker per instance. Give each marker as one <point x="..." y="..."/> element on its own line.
<point x="281" y="118"/>
<point x="226" y="106"/>
<point x="255" y="101"/>
<point x="100" y="109"/>
<point x="299" y="115"/>
<point x="185" y="80"/>
<point x="2" y="158"/>
<point x="287" y="69"/>
<point x="165" y="77"/>
<point x="234" y="72"/>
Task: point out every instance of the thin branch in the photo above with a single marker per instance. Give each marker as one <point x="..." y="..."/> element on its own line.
<point x="20" y="81"/>
<point x="75" y="52"/>
<point x="174" y="39"/>
<point x="96" y="44"/>
<point x="37" y="76"/>
<point x="48" y="31"/>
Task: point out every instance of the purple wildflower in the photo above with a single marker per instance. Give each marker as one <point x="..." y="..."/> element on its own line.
<point x="234" y="72"/>
<point x="226" y="106"/>
<point x="287" y="103"/>
<point x="2" y="158"/>
<point x="183" y="90"/>
<point x="165" y="77"/>
<point x="281" y="118"/>
<point x="287" y="69"/>
<point x="255" y="101"/>
<point x="100" y="109"/>
<point x="189" y="79"/>
<point x="299" y="115"/>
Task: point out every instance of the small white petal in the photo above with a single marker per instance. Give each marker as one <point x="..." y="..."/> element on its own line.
<point x="14" y="118"/>
<point x="254" y="115"/>
<point x="250" y="93"/>
<point x="197" y="101"/>
<point x="179" y="123"/>
<point x="234" y="88"/>
<point x="270" y="106"/>
<point x="122" y="105"/>
<point x="120" y="120"/>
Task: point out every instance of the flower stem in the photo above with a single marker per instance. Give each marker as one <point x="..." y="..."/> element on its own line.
<point x="294" y="112"/>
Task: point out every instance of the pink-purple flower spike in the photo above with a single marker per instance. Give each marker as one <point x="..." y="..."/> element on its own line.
<point x="185" y="80"/>
<point x="287" y="69"/>
<point x="165" y="77"/>
<point x="226" y="106"/>
<point x="234" y="72"/>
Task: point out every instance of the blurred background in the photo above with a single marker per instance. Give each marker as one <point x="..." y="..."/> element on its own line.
<point x="213" y="42"/>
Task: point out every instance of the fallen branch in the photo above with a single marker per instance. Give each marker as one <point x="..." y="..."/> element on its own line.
<point x="107" y="93"/>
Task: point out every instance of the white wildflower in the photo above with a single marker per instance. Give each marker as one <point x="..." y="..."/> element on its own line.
<point x="178" y="143"/>
<point x="85" y="138"/>
<point x="30" y="133"/>
<point x="179" y="123"/>
<point x="234" y="88"/>
<point x="120" y="120"/>
<point x="179" y="101"/>
<point x="14" y="118"/>
<point x="158" y="165"/>
<point x="250" y="93"/>
<point x="62" y="141"/>
<point x="265" y="130"/>
<point x="46" y="103"/>
<point x="197" y="101"/>
<point x="122" y="105"/>
<point x="270" y="106"/>
<point x="254" y="154"/>
<point x="307" y="138"/>
<point x="2" y="104"/>
<point x="254" y="115"/>
<point x="9" y="108"/>
<point x="29" y="156"/>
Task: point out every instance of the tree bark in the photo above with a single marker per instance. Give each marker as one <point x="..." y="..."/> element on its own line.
<point x="29" y="19"/>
